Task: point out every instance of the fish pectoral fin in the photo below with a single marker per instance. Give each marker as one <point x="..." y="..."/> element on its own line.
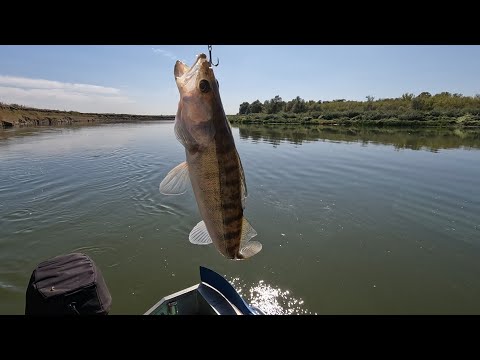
<point x="248" y="248"/>
<point x="176" y="181"/>
<point x="199" y="235"/>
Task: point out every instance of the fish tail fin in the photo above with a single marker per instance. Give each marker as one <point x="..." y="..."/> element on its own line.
<point x="248" y="248"/>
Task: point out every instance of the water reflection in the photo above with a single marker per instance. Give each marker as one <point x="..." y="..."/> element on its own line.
<point x="432" y="139"/>
<point x="17" y="133"/>
<point x="271" y="300"/>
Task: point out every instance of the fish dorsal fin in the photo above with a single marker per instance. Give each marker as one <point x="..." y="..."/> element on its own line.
<point x="248" y="248"/>
<point x="243" y="184"/>
<point x="176" y="181"/>
<point x="199" y="235"/>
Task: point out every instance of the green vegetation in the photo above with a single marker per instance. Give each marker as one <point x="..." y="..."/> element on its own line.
<point x="444" y="110"/>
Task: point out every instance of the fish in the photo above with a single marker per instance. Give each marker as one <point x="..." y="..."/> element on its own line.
<point x="212" y="166"/>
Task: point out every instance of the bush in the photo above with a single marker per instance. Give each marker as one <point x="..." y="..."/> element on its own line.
<point x="412" y="115"/>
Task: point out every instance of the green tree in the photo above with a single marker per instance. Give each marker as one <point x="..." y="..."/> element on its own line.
<point x="244" y="108"/>
<point x="407" y="97"/>
<point x="370" y="99"/>
<point x="312" y="105"/>
<point x="418" y="103"/>
<point x="445" y="94"/>
<point x="256" y="107"/>
<point x="288" y="106"/>
<point x="267" y="106"/>
<point x="278" y="104"/>
<point x="274" y="105"/>
<point x="299" y="105"/>
<point x="425" y="94"/>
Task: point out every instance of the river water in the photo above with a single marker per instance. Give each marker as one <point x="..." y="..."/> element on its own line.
<point x="352" y="221"/>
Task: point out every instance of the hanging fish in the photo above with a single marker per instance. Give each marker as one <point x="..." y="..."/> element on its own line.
<point x="212" y="164"/>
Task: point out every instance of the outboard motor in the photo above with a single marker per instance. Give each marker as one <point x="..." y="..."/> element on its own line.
<point x="67" y="285"/>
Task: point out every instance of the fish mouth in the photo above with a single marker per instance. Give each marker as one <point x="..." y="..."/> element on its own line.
<point x="180" y="69"/>
<point x="184" y="74"/>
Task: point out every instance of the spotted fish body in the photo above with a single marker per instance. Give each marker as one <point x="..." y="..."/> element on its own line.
<point x="212" y="164"/>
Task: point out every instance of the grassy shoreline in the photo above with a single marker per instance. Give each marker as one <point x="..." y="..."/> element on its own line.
<point x="366" y="119"/>
<point x="444" y="109"/>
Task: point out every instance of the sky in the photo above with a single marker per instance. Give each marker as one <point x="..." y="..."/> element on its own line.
<point x="138" y="79"/>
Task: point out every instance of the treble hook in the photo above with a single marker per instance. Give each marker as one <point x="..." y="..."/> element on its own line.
<point x="210" y="56"/>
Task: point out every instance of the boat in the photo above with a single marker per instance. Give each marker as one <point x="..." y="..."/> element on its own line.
<point x="72" y="284"/>
<point x="214" y="295"/>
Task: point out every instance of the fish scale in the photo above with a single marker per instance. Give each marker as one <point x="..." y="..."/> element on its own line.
<point x="231" y="193"/>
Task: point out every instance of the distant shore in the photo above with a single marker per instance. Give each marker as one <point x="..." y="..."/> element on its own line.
<point x="444" y="109"/>
<point x="360" y="120"/>
<point x="19" y="116"/>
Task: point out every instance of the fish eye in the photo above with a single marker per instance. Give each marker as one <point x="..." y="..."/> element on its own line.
<point x="204" y="86"/>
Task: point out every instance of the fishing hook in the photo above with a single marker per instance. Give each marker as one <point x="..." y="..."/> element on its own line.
<point x="210" y="56"/>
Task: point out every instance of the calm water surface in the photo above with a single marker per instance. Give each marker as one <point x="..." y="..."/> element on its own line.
<point x="351" y="221"/>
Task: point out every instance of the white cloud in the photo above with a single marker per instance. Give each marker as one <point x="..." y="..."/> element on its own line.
<point x="21" y="82"/>
<point x="63" y="96"/>
<point x="165" y="53"/>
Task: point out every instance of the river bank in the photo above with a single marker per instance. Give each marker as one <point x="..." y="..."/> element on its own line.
<point x="19" y="116"/>
<point x="360" y="120"/>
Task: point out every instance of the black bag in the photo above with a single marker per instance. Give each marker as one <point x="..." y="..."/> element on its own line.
<point x="67" y="284"/>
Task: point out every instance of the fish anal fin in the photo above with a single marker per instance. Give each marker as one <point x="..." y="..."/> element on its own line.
<point x="248" y="248"/>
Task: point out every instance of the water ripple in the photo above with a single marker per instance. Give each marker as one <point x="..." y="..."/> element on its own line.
<point x="348" y="211"/>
